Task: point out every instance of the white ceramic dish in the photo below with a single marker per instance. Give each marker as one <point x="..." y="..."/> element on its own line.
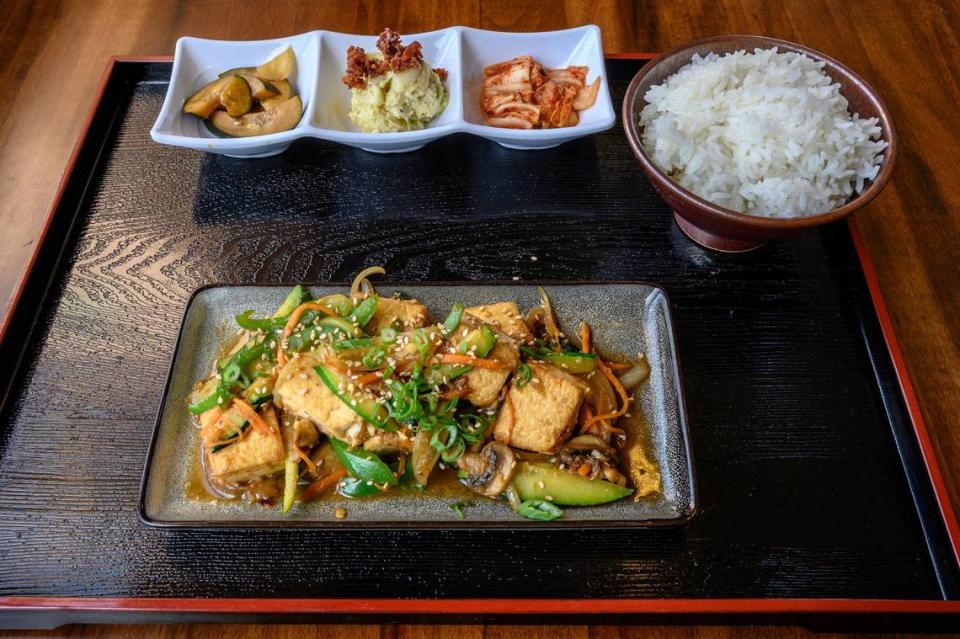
<point x="321" y="61"/>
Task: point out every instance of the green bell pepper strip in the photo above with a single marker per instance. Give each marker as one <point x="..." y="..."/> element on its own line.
<point x="362" y="313"/>
<point x="368" y="409"/>
<point x="363" y="464"/>
<point x="295" y="298"/>
<point x="576" y="363"/>
<point x="539" y="480"/>
<point x="540" y="510"/>
<point x="246" y="320"/>
<point x="354" y="488"/>
<point x="453" y="319"/>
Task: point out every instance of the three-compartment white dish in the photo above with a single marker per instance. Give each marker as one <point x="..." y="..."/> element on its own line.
<point x="321" y="62"/>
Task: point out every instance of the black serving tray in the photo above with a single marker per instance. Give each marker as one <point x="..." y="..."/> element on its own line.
<point x="820" y="497"/>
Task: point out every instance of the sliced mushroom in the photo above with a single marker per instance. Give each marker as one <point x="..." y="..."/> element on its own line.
<point x="591" y="457"/>
<point x="490" y="471"/>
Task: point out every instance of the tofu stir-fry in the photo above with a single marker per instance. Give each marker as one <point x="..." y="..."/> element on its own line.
<point x="360" y="395"/>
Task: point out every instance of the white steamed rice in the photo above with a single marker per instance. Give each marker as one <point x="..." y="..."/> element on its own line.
<point x="764" y="133"/>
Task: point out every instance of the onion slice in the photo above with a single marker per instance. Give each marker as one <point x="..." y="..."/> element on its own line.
<point x="634" y="376"/>
<point x="361" y="284"/>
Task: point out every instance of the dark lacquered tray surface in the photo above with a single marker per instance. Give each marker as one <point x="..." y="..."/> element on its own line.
<point x="811" y="485"/>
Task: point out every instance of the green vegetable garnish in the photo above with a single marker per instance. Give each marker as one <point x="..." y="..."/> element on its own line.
<point x="291" y="473"/>
<point x="453" y="319"/>
<point x="350" y="344"/>
<point x="354" y="488"/>
<point x="368" y="409"/>
<point x="363" y="311"/>
<point x="479" y="341"/>
<point x="388" y="335"/>
<point x="576" y="363"/>
<point x="458" y="507"/>
<point x="295" y="298"/>
<point x="540" y="510"/>
<point x="245" y="320"/>
<point x="363" y="464"/>
<point x="524" y="375"/>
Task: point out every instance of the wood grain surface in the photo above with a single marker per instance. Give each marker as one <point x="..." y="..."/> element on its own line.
<point x="54" y="53"/>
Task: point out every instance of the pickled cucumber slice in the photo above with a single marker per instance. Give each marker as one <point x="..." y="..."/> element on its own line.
<point x="279" y="68"/>
<point x="259" y="88"/>
<point x="235" y="97"/>
<point x="284" y="93"/>
<point x="206" y="100"/>
<point x="280" y="118"/>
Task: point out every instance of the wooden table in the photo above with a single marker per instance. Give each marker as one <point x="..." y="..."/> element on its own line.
<point x="52" y="54"/>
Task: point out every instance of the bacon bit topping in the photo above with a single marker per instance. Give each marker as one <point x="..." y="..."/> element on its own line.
<point x="396" y="58"/>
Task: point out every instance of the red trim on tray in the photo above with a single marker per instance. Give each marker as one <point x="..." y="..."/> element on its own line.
<point x="480" y="606"/>
<point x="518" y="606"/>
<point x="906" y="387"/>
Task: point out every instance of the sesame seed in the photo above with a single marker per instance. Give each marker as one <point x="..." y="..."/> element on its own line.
<point x="303" y="376"/>
<point x="533" y="258"/>
<point x="548" y="497"/>
<point x="540" y="485"/>
<point x="516" y="278"/>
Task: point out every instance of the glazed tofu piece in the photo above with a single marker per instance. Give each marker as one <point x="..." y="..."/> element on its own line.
<point x="300" y="432"/>
<point x="300" y="392"/>
<point x="256" y="454"/>
<point x="401" y="314"/>
<point x="384" y="442"/>
<point x="504" y="316"/>
<point x="540" y="416"/>
<point x="484" y="385"/>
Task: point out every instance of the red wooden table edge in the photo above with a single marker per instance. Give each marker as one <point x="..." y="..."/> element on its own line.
<point x="520" y="606"/>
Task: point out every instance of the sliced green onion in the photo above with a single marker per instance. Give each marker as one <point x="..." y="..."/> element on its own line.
<point x="540" y="510"/>
<point x="524" y="375"/>
<point x="375" y="357"/>
<point x="388" y="335"/>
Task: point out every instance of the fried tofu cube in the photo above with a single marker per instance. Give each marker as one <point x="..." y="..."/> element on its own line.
<point x="540" y="416"/>
<point x="300" y="391"/>
<point x="484" y="385"/>
<point x="255" y="454"/>
<point x="506" y="317"/>
<point x="401" y="314"/>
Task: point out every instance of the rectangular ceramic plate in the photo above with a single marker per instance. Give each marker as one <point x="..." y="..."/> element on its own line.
<point x="627" y="318"/>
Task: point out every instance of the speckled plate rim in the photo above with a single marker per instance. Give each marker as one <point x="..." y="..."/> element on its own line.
<point x="689" y="510"/>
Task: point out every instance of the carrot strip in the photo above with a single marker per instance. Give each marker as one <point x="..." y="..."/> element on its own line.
<point x="618" y="366"/>
<point x="618" y="387"/>
<point x="322" y="485"/>
<point x="254" y="418"/>
<point x="584" y="470"/>
<point x="306" y="459"/>
<point x="369" y="378"/>
<point x="585" y="337"/>
<point x="292" y="323"/>
<point x="479" y="362"/>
